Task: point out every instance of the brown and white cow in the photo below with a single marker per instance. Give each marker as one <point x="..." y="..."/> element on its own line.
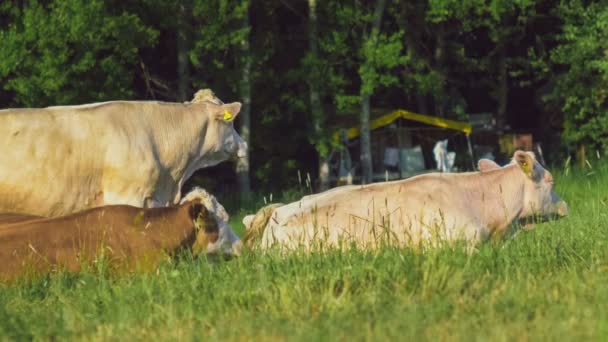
<point x="59" y="160"/>
<point x="471" y="206"/>
<point x="227" y="242"/>
<point x="126" y="237"/>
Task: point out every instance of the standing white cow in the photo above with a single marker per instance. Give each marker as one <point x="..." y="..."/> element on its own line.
<point x="435" y="207"/>
<point x="59" y="160"/>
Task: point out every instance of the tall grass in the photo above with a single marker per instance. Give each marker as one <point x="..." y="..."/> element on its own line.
<point x="548" y="283"/>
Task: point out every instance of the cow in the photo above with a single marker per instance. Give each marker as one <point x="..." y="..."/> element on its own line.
<point x="426" y="210"/>
<point x="127" y="238"/>
<point x="59" y="160"/>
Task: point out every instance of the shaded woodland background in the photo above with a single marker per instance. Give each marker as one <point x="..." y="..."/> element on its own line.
<point x="300" y="67"/>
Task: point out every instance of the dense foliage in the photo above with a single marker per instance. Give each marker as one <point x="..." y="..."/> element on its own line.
<point x="583" y="87"/>
<point x="538" y="65"/>
<point x="70" y="51"/>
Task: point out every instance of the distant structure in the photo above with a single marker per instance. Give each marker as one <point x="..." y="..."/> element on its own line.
<point x="402" y="146"/>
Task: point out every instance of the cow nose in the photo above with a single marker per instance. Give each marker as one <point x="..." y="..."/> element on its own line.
<point x="562" y="208"/>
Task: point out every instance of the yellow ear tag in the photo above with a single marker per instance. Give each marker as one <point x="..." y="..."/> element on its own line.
<point x="527" y="168"/>
<point x="227" y="115"/>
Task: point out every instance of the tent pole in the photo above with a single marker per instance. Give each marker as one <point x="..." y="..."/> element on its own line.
<point x="399" y="145"/>
<point x="471" y="151"/>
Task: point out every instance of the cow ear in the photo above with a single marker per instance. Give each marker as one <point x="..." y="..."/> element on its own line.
<point x="228" y="112"/>
<point x="196" y="209"/>
<point x="206" y="95"/>
<point x="487" y="165"/>
<point x="525" y="162"/>
<point x="247" y="221"/>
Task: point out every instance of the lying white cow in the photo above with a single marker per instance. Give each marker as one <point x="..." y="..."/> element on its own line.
<point x="434" y="207"/>
<point x="59" y="160"/>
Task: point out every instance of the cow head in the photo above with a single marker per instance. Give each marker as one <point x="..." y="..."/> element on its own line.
<point x="207" y="230"/>
<point x="221" y="141"/>
<point x="214" y="234"/>
<point x="539" y="197"/>
<point x="256" y="224"/>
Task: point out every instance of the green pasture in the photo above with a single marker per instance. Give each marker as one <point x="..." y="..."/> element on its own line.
<point x="547" y="284"/>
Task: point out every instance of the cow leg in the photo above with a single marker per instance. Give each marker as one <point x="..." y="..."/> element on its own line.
<point x="474" y="235"/>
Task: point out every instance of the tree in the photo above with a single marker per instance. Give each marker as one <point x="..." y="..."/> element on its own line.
<point x="369" y="78"/>
<point x="183" y="35"/>
<point x="242" y="165"/>
<point x="217" y="43"/>
<point x="355" y="27"/>
<point x="313" y="67"/>
<point x="222" y="61"/>
<point x="71" y="51"/>
<point x="504" y="22"/>
<point x="582" y="87"/>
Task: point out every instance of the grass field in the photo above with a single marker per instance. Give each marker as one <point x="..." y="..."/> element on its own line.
<point x="549" y="283"/>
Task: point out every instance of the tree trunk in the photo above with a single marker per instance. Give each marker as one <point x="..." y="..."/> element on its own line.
<point x="420" y="98"/>
<point x="183" y="66"/>
<point x="580" y="155"/>
<point x="323" y="173"/>
<point x="366" y="150"/>
<point x="242" y="165"/>
<point x="439" y="98"/>
<point x="316" y="109"/>
<point x="503" y="89"/>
